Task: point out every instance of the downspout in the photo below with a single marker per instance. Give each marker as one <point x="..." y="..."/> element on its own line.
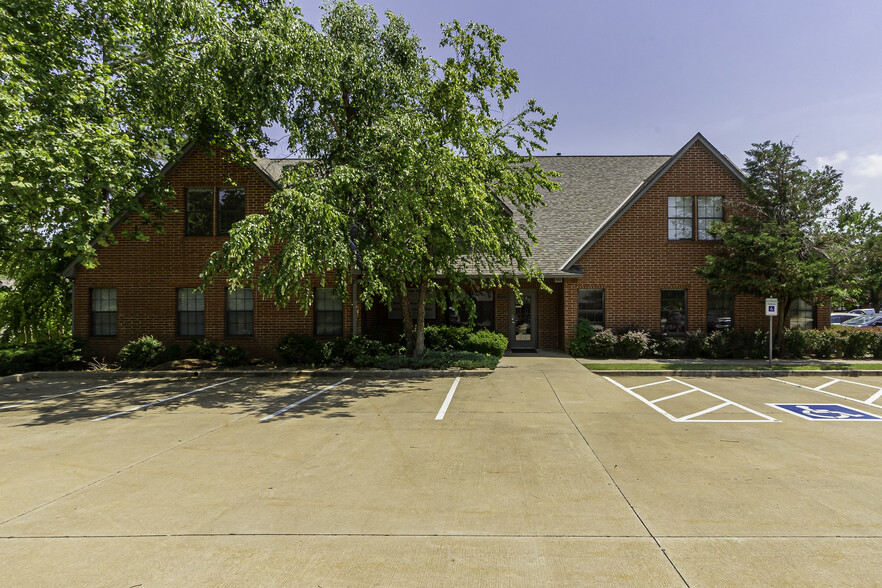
<point x="73" y="285"/>
<point x="355" y="306"/>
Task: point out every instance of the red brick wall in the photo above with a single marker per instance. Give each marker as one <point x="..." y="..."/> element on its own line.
<point x="147" y="274"/>
<point x="634" y="260"/>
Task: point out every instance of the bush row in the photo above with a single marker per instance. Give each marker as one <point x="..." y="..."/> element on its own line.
<point x="728" y="344"/>
<point x="33" y="357"/>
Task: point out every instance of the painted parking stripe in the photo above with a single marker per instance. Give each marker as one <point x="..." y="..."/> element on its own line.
<point x="869" y="401"/>
<point x="302" y="400"/>
<point x="128" y="410"/>
<point x="447" y="400"/>
<point x="65" y="394"/>
<point x="693" y="418"/>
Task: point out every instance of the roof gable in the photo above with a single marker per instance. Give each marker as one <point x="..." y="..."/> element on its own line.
<point x="644" y="186"/>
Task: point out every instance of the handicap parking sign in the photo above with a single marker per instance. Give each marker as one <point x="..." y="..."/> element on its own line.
<point x="827" y="412"/>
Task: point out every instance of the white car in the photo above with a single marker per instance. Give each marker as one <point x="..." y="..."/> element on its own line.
<point x="863" y="311"/>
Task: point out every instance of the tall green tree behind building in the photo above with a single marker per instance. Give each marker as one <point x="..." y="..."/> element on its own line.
<point x="778" y="245"/>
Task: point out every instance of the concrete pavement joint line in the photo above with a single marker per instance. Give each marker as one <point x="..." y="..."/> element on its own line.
<point x="447" y="400"/>
<point x="66" y="394"/>
<point x="870" y="401"/>
<point x="164" y="400"/>
<point x="302" y="400"/>
<point x="613" y="480"/>
<point x="692" y="417"/>
<point x="425" y="535"/>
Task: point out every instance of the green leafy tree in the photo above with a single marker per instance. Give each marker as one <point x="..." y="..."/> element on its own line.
<point x="777" y="245"/>
<point x="413" y="177"/>
<point x="97" y="95"/>
<point x="857" y="253"/>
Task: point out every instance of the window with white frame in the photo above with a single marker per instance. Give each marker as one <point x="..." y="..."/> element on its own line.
<point x="240" y="311"/>
<point x="103" y="312"/>
<point x="191" y="312"/>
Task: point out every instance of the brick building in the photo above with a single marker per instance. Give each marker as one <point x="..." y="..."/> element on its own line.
<point x="617" y="245"/>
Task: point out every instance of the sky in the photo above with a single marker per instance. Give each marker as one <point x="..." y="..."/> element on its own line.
<point x="641" y="77"/>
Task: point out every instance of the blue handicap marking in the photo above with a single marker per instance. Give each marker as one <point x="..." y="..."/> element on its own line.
<point x="827" y="412"/>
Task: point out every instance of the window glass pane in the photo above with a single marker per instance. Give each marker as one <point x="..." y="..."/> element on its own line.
<point x="328" y="313"/>
<point x="199" y="208"/>
<point x="484" y="311"/>
<point x="103" y="312"/>
<point x="673" y="311"/>
<point x="230" y="208"/>
<point x="720" y="310"/>
<point x="591" y="306"/>
<point x="191" y="312"/>
<point x="710" y="210"/>
<point x="679" y="218"/>
<point x="802" y="315"/>
<point x="240" y="312"/>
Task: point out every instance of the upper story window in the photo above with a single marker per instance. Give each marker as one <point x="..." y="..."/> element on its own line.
<point x="199" y="211"/>
<point x="230" y="208"/>
<point x="689" y="217"/>
<point x="201" y="214"/>
<point x="103" y="310"/>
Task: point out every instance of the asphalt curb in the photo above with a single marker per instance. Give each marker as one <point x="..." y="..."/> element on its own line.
<point x="282" y="373"/>
<point x="737" y="373"/>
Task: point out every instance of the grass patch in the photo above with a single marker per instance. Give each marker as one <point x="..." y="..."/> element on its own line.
<point x="632" y="366"/>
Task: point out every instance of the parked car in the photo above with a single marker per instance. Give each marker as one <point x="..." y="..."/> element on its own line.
<point x="863" y="311"/>
<point x="837" y="318"/>
<point x="864" y="321"/>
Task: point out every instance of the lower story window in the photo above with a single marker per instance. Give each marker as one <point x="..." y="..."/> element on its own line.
<point x="802" y="315"/>
<point x="328" y="313"/>
<point x="103" y="310"/>
<point x="240" y="312"/>
<point x="191" y="313"/>
<point x="720" y="310"/>
<point x="591" y="306"/>
<point x="673" y="311"/>
<point x="484" y="311"/>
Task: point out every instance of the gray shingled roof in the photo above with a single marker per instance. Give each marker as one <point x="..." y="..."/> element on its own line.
<point x="592" y="189"/>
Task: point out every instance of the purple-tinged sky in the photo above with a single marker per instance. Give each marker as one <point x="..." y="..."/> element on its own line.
<point x="642" y="77"/>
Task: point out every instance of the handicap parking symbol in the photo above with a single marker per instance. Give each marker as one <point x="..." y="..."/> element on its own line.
<point x="827" y="412"/>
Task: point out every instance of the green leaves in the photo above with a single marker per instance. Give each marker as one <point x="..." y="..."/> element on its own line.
<point x="414" y="180"/>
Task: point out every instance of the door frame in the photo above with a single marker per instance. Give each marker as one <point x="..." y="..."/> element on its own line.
<point x="530" y="295"/>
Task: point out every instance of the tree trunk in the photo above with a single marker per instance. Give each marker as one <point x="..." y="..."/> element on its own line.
<point x="415" y="332"/>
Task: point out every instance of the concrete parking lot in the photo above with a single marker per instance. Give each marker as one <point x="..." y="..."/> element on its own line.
<point x="541" y="473"/>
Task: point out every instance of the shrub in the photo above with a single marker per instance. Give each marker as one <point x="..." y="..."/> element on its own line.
<point x="602" y="344"/>
<point x="487" y="343"/>
<point x="446" y="337"/>
<point x="295" y="349"/>
<point x="796" y="343"/>
<point x="825" y="344"/>
<point x="143" y="352"/>
<point x="582" y="339"/>
<point x="432" y="359"/>
<point x="45" y="355"/>
<point x="858" y="343"/>
<point x="359" y="351"/>
<point x="223" y="354"/>
<point x="695" y="344"/>
<point x="633" y="344"/>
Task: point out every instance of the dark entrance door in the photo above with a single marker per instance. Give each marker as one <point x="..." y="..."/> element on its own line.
<point x="522" y="330"/>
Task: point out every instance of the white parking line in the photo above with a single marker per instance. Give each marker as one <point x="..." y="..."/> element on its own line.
<point x="302" y="400"/>
<point x="869" y="401"/>
<point x="447" y="400"/>
<point x="65" y="394"/>
<point x="164" y="400"/>
<point x="692" y="417"/>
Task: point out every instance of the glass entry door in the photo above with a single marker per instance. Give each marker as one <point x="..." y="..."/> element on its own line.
<point x="523" y="315"/>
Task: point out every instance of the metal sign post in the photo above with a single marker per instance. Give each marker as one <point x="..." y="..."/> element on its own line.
<point x="771" y="311"/>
